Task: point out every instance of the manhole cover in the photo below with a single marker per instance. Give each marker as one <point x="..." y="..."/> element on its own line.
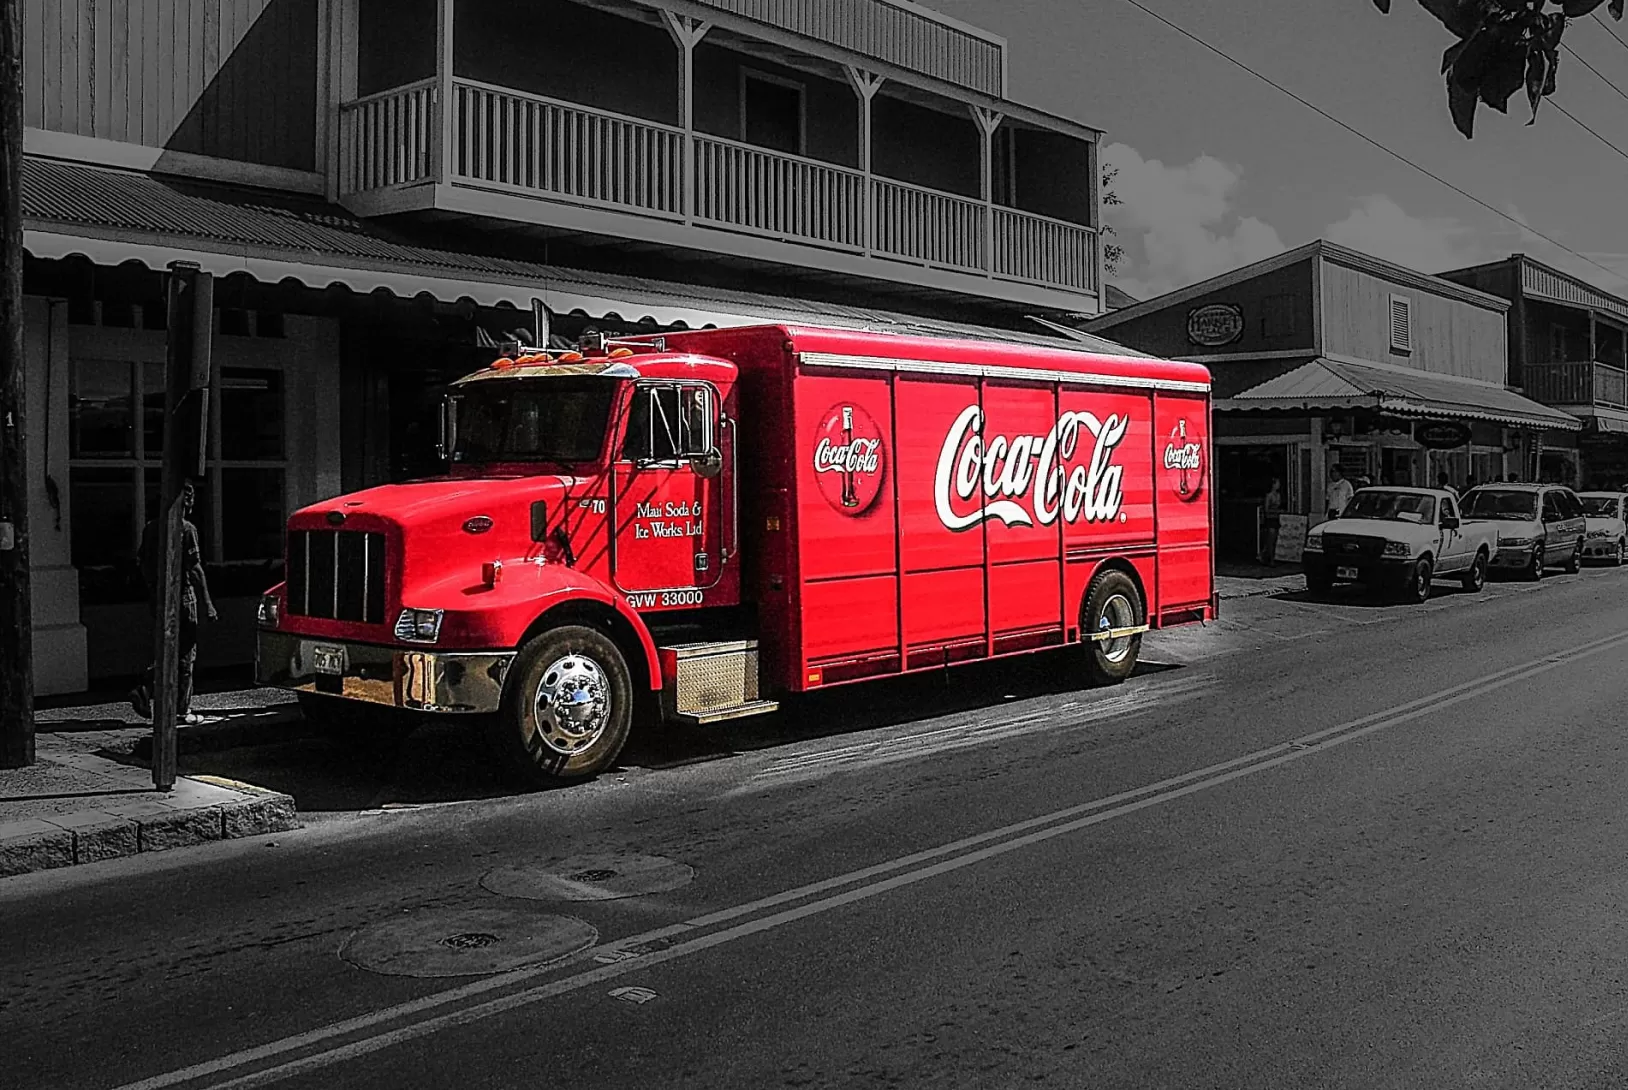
<point x="589" y="878"/>
<point x="466" y="942"/>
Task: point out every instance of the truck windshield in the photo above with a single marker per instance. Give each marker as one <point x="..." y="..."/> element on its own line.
<point x="560" y="420"/>
<point x="1372" y="503"/>
<point x="1599" y="507"/>
<point x="1489" y="503"/>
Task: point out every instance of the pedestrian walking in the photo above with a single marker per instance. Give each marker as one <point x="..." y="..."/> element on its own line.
<point x="1339" y="492"/>
<point x="1271" y="518"/>
<point x="194" y="589"/>
<point x="1445" y="483"/>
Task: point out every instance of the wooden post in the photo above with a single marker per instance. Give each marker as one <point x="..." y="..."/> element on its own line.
<point x="16" y="611"/>
<point x="865" y="85"/>
<point x="186" y="415"/>
<point x="445" y="154"/>
<point x="988" y="121"/>
<point x="687" y="34"/>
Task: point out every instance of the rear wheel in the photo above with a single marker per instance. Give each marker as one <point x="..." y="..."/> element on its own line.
<point x="1476" y="577"/>
<point x="567" y="708"/>
<point x="1113" y="604"/>
<point x="1575" y="564"/>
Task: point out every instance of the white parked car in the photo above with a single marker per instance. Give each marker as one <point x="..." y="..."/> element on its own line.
<point x="1606" y="514"/>
<point x="1399" y="539"/>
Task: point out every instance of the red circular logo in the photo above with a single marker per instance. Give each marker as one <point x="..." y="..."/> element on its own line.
<point x="848" y="459"/>
<point x="1184" y="462"/>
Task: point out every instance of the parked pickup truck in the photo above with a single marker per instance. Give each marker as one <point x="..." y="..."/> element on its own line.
<point x="1399" y="540"/>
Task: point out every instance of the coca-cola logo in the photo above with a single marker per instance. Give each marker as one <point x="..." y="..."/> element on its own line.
<point x="1184" y="462"/>
<point x="1024" y="480"/>
<point x="849" y="459"/>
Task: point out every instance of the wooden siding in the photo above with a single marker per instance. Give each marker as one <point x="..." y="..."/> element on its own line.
<point x="900" y="35"/>
<point x="235" y="79"/>
<point x="1164" y="332"/>
<point x="1450" y="336"/>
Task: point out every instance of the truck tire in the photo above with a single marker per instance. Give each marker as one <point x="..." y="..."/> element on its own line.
<point x="1318" y="581"/>
<point x="1416" y="588"/>
<point x="1112" y="602"/>
<point x="1476" y="577"/>
<point x="1535" y="567"/>
<point x="1622" y="553"/>
<point x="567" y="708"/>
<point x="1575" y="563"/>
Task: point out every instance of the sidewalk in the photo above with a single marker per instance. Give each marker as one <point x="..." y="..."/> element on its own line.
<point x="86" y="799"/>
<point x="1255" y="580"/>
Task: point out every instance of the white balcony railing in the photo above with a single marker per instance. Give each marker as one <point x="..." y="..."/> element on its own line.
<point x="522" y="143"/>
<point x="750" y="189"/>
<point x="387" y="138"/>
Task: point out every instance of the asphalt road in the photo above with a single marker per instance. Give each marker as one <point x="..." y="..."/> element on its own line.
<point x="1321" y="843"/>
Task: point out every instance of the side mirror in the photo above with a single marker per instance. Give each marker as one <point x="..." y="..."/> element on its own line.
<point x="1449" y="522"/>
<point x="708" y="465"/>
<point x="447" y="441"/>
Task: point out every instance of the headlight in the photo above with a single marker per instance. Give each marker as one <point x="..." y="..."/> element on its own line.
<point x="1314" y="543"/>
<point x="1515" y="539"/>
<point x="1398" y="548"/>
<point x="419" y="625"/>
<point x="269" y="612"/>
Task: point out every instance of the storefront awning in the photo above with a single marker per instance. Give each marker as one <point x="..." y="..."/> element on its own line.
<point x="1326" y="385"/>
<point x="116" y="216"/>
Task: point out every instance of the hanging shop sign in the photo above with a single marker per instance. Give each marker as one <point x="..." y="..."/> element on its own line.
<point x="1215" y="325"/>
<point x="1442" y="435"/>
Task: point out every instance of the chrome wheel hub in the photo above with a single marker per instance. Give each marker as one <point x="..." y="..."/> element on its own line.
<point x="573" y="704"/>
<point x="1117" y="612"/>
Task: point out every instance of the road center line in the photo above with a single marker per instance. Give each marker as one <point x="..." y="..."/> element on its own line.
<point x="1034" y="831"/>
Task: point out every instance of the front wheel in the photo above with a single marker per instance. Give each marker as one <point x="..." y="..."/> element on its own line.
<point x="1534" y="567"/>
<point x="1622" y="553"/>
<point x="1476" y="577"/>
<point x="567" y="708"/>
<point x="1112" y="605"/>
<point x="1575" y="564"/>
<point x="1417" y="588"/>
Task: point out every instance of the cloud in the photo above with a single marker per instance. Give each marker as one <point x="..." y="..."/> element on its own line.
<point x="1590" y="270"/>
<point x="1178" y="224"/>
<point x="1380" y="227"/>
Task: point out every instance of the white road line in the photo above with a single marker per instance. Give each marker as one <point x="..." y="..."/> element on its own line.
<point x="1034" y="831"/>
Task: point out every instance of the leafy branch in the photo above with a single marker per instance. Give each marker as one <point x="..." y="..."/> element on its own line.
<point x="1503" y="46"/>
<point x="1112" y="253"/>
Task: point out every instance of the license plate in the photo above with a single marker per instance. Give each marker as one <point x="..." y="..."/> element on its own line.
<point x="328" y="660"/>
<point x="1345" y="573"/>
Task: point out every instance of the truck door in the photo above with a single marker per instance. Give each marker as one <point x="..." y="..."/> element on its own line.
<point x="667" y="486"/>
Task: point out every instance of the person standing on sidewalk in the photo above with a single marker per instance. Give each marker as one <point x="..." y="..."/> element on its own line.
<point x="1271" y="519"/>
<point x="1339" y="492"/>
<point x="194" y="586"/>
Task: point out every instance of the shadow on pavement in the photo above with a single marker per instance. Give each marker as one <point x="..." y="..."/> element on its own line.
<point x="441" y="761"/>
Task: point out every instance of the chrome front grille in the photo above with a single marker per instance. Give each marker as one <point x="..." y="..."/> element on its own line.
<point x="336" y="575"/>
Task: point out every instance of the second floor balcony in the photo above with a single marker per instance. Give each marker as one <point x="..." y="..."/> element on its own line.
<point x="801" y="162"/>
<point x="1578" y="383"/>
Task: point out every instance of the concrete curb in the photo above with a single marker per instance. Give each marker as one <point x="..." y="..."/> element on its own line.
<point x="152" y="823"/>
<point x="1265" y="589"/>
<point x="217" y="737"/>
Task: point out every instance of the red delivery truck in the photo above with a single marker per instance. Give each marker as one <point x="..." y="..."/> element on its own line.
<point x="689" y="527"/>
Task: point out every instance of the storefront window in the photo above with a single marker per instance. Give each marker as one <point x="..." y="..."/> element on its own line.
<point x="116" y="425"/>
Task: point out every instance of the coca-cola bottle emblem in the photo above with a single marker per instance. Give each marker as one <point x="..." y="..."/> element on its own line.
<point x="848" y="458"/>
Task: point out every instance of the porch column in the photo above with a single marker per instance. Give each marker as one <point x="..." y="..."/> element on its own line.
<point x="336" y="85"/>
<point x="865" y="85"/>
<point x="443" y="156"/>
<point x="1318" y="492"/>
<point x="988" y="121"/>
<point x="687" y="34"/>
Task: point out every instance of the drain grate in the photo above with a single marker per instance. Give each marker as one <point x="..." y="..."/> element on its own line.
<point x="593" y="876"/>
<point x="469" y="940"/>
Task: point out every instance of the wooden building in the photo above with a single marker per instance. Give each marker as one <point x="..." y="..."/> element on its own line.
<point x="383" y="186"/>
<point x="1323" y="356"/>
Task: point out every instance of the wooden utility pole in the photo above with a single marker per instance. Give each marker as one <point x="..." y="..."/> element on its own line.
<point x="186" y="416"/>
<point x="16" y="613"/>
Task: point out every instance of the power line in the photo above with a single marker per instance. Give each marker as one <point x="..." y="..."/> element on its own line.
<point x="1620" y="40"/>
<point x="1592" y="132"/>
<point x="1603" y="78"/>
<point x="1359" y="134"/>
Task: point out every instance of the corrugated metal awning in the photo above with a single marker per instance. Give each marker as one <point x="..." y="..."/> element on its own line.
<point x="1325" y="385"/>
<point x="115" y="216"/>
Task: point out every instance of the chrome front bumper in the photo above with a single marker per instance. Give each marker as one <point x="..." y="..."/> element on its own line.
<point x="430" y="681"/>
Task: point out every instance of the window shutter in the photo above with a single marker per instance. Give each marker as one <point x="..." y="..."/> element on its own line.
<point x="1401" y="324"/>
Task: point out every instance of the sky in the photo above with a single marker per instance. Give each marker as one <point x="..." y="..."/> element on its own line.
<point x="1217" y="169"/>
